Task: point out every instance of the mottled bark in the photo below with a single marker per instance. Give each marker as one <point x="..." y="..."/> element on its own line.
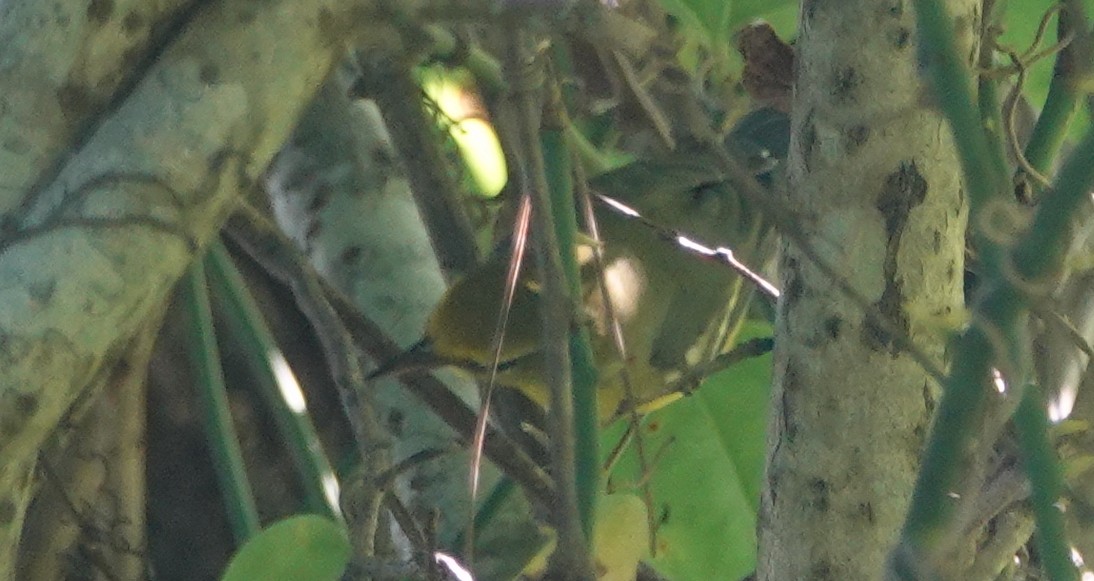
<point x="339" y="191"/>
<point x="64" y="64"/>
<point x="94" y="239"/>
<point x="876" y="183"/>
<point x="89" y="511"/>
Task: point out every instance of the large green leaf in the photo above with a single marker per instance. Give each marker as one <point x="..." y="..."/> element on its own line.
<point x="781" y="14"/>
<point x="299" y="548"/>
<point x="706" y="479"/>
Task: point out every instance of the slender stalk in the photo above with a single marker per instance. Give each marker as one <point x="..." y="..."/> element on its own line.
<point x="584" y="374"/>
<point x="489" y="508"/>
<point x="1036" y="258"/>
<point x="572" y="558"/>
<point x="1062" y="102"/>
<point x="249" y="330"/>
<point x="221" y="435"/>
<point x="1046" y="485"/>
<point x="991" y="113"/>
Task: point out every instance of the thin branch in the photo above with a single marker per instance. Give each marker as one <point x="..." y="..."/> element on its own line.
<point x="688" y="382"/>
<point x="368" y="337"/>
<point x="387" y="79"/>
<point x="373" y="443"/>
<point x="572" y="557"/>
<point x="1036" y="257"/>
<point x="1011" y="532"/>
<point x="1046" y="480"/>
<point x="1062" y="102"/>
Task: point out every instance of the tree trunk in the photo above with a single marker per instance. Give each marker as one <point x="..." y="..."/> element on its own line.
<point x="876" y="183"/>
<point x="120" y="198"/>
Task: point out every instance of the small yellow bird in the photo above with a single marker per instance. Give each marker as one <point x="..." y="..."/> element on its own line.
<point x="666" y="301"/>
<point x="460" y="331"/>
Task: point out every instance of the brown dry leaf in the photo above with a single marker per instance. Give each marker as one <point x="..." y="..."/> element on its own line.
<point x="769" y="66"/>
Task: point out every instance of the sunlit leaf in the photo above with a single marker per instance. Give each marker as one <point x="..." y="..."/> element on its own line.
<point x="706" y="481"/>
<point x="474" y="136"/>
<point x="781" y="14"/>
<point x="299" y="548"/>
<point x="621" y="539"/>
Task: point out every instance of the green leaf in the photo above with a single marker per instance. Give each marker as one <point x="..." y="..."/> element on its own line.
<point x="706" y="484"/>
<point x="781" y="14"/>
<point x="452" y="91"/>
<point x="299" y="548"/>
<point x="1020" y="21"/>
